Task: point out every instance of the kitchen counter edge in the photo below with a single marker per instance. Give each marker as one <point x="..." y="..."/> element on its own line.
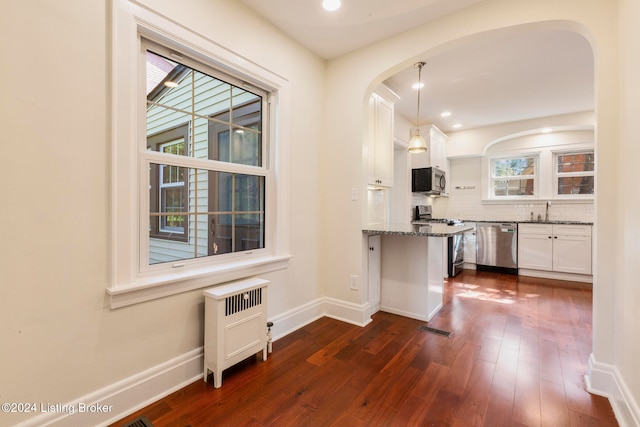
<point x="436" y="230"/>
<point x="561" y="222"/>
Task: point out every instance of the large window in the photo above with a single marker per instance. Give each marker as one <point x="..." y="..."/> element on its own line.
<point x="195" y="201"/>
<point x="207" y="174"/>
<point x="575" y="174"/>
<point x="513" y="177"/>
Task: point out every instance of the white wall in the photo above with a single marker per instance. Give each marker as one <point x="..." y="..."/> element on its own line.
<point x="466" y="203"/>
<point x="627" y="293"/>
<point x="59" y="339"/>
<point x="469" y="183"/>
<point x="352" y="76"/>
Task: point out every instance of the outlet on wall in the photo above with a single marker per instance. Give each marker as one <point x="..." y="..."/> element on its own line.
<point x="353" y="282"/>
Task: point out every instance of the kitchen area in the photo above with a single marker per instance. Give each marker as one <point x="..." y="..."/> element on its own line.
<point x="518" y="203"/>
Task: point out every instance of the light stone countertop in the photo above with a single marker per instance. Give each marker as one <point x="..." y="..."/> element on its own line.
<point x="433" y="229"/>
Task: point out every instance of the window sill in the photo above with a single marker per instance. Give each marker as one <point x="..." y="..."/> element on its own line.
<point x="147" y="289"/>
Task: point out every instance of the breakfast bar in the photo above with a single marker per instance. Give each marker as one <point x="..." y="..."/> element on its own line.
<point x="412" y="267"/>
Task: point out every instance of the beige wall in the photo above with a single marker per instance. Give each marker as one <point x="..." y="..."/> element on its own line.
<point x="60" y="341"/>
<point x="627" y="291"/>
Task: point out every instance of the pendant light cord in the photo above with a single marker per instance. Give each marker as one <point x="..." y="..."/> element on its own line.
<point x="419" y="65"/>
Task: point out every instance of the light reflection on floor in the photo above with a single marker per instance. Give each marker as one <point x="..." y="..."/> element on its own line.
<point x="504" y="296"/>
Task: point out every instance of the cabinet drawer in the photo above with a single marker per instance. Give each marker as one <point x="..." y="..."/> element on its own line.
<point x="535" y="229"/>
<point x="571" y="230"/>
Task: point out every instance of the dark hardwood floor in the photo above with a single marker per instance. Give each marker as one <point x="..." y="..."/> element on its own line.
<point x="516" y="357"/>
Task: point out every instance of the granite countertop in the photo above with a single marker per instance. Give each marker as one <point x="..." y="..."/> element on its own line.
<point x="520" y="222"/>
<point x="433" y="230"/>
<point x="554" y="222"/>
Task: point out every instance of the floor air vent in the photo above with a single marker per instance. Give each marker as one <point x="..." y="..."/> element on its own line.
<point x="435" y="331"/>
<point x="139" y="422"/>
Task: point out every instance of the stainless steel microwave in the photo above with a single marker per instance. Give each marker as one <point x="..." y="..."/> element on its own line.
<point x="428" y="180"/>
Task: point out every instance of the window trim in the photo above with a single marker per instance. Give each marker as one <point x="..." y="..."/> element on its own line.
<point x="556" y="174"/>
<point x="129" y="283"/>
<point x="536" y="176"/>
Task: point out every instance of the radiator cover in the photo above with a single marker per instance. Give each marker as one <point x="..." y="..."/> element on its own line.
<point x="235" y="325"/>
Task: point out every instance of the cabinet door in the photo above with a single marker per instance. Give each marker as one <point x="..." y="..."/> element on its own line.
<point x="380" y="156"/>
<point x="374" y="272"/>
<point x="384" y="142"/>
<point x="437" y="147"/>
<point x="572" y="254"/>
<point x="371" y="146"/>
<point x="534" y="251"/>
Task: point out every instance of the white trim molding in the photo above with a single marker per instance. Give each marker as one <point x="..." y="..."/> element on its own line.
<point x="605" y="380"/>
<point x="125" y="397"/>
<point x="132" y="281"/>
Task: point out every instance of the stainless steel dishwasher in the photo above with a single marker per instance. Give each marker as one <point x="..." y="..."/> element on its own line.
<point x="497" y="246"/>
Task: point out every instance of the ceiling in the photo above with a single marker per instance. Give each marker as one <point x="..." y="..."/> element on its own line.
<point x="486" y="81"/>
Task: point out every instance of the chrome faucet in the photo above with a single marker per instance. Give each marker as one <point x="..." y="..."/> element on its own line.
<point x="546" y="215"/>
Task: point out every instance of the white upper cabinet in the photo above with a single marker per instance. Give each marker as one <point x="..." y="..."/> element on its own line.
<point x="380" y="149"/>
<point x="436" y="154"/>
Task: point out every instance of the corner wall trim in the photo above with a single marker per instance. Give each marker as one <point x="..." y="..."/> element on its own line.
<point x="605" y="380"/>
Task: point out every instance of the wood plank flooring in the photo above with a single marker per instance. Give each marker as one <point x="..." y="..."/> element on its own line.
<point x="517" y="357"/>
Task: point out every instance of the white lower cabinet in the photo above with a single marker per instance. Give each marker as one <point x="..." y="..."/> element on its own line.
<point x="572" y="254"/>
<point x="564" y="248"/>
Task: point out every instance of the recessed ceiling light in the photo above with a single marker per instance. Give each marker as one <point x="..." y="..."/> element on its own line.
<point x="417" y="86"/>
<point x="331" y="5"/>
<point x="445" y="114"/>
<point x="546" y="130"/>
<point x="457" y="126"/>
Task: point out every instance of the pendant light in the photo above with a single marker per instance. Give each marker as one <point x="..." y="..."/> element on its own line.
<point x="417" y="144"/>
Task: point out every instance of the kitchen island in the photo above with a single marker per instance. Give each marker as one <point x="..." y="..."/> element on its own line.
<point x="407" y="264"/>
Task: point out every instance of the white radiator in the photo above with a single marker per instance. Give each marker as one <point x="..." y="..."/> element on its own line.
<point x="235" y="325"/>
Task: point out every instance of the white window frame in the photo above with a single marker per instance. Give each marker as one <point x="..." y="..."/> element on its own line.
<point x="536" y="176"/>
<point x="557" y="175"/>
<point x="132" y="281"/>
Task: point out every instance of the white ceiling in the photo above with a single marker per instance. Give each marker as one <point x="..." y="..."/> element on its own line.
<point x="486" y="81"/>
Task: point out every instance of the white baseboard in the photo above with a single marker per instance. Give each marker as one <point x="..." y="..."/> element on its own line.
<point x="131" y="394"/>
<point x="356" y="314"/>
<point x="605" y="380"/>
<point x="571" y="277"/>
<point x="134" y="393"/>
<point x="417" y="316"/>
<point x="127" y="396"/>
<point x="289" y="321"/>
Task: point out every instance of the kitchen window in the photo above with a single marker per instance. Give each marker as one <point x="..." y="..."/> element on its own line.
<point x="194" y="201"/>
<point x="513" y="177"/>
<point x="574" y="174"/>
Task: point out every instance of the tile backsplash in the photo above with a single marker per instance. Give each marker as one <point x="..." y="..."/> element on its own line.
<point x="376" y="206"/>
<point x="463" y="204"/>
